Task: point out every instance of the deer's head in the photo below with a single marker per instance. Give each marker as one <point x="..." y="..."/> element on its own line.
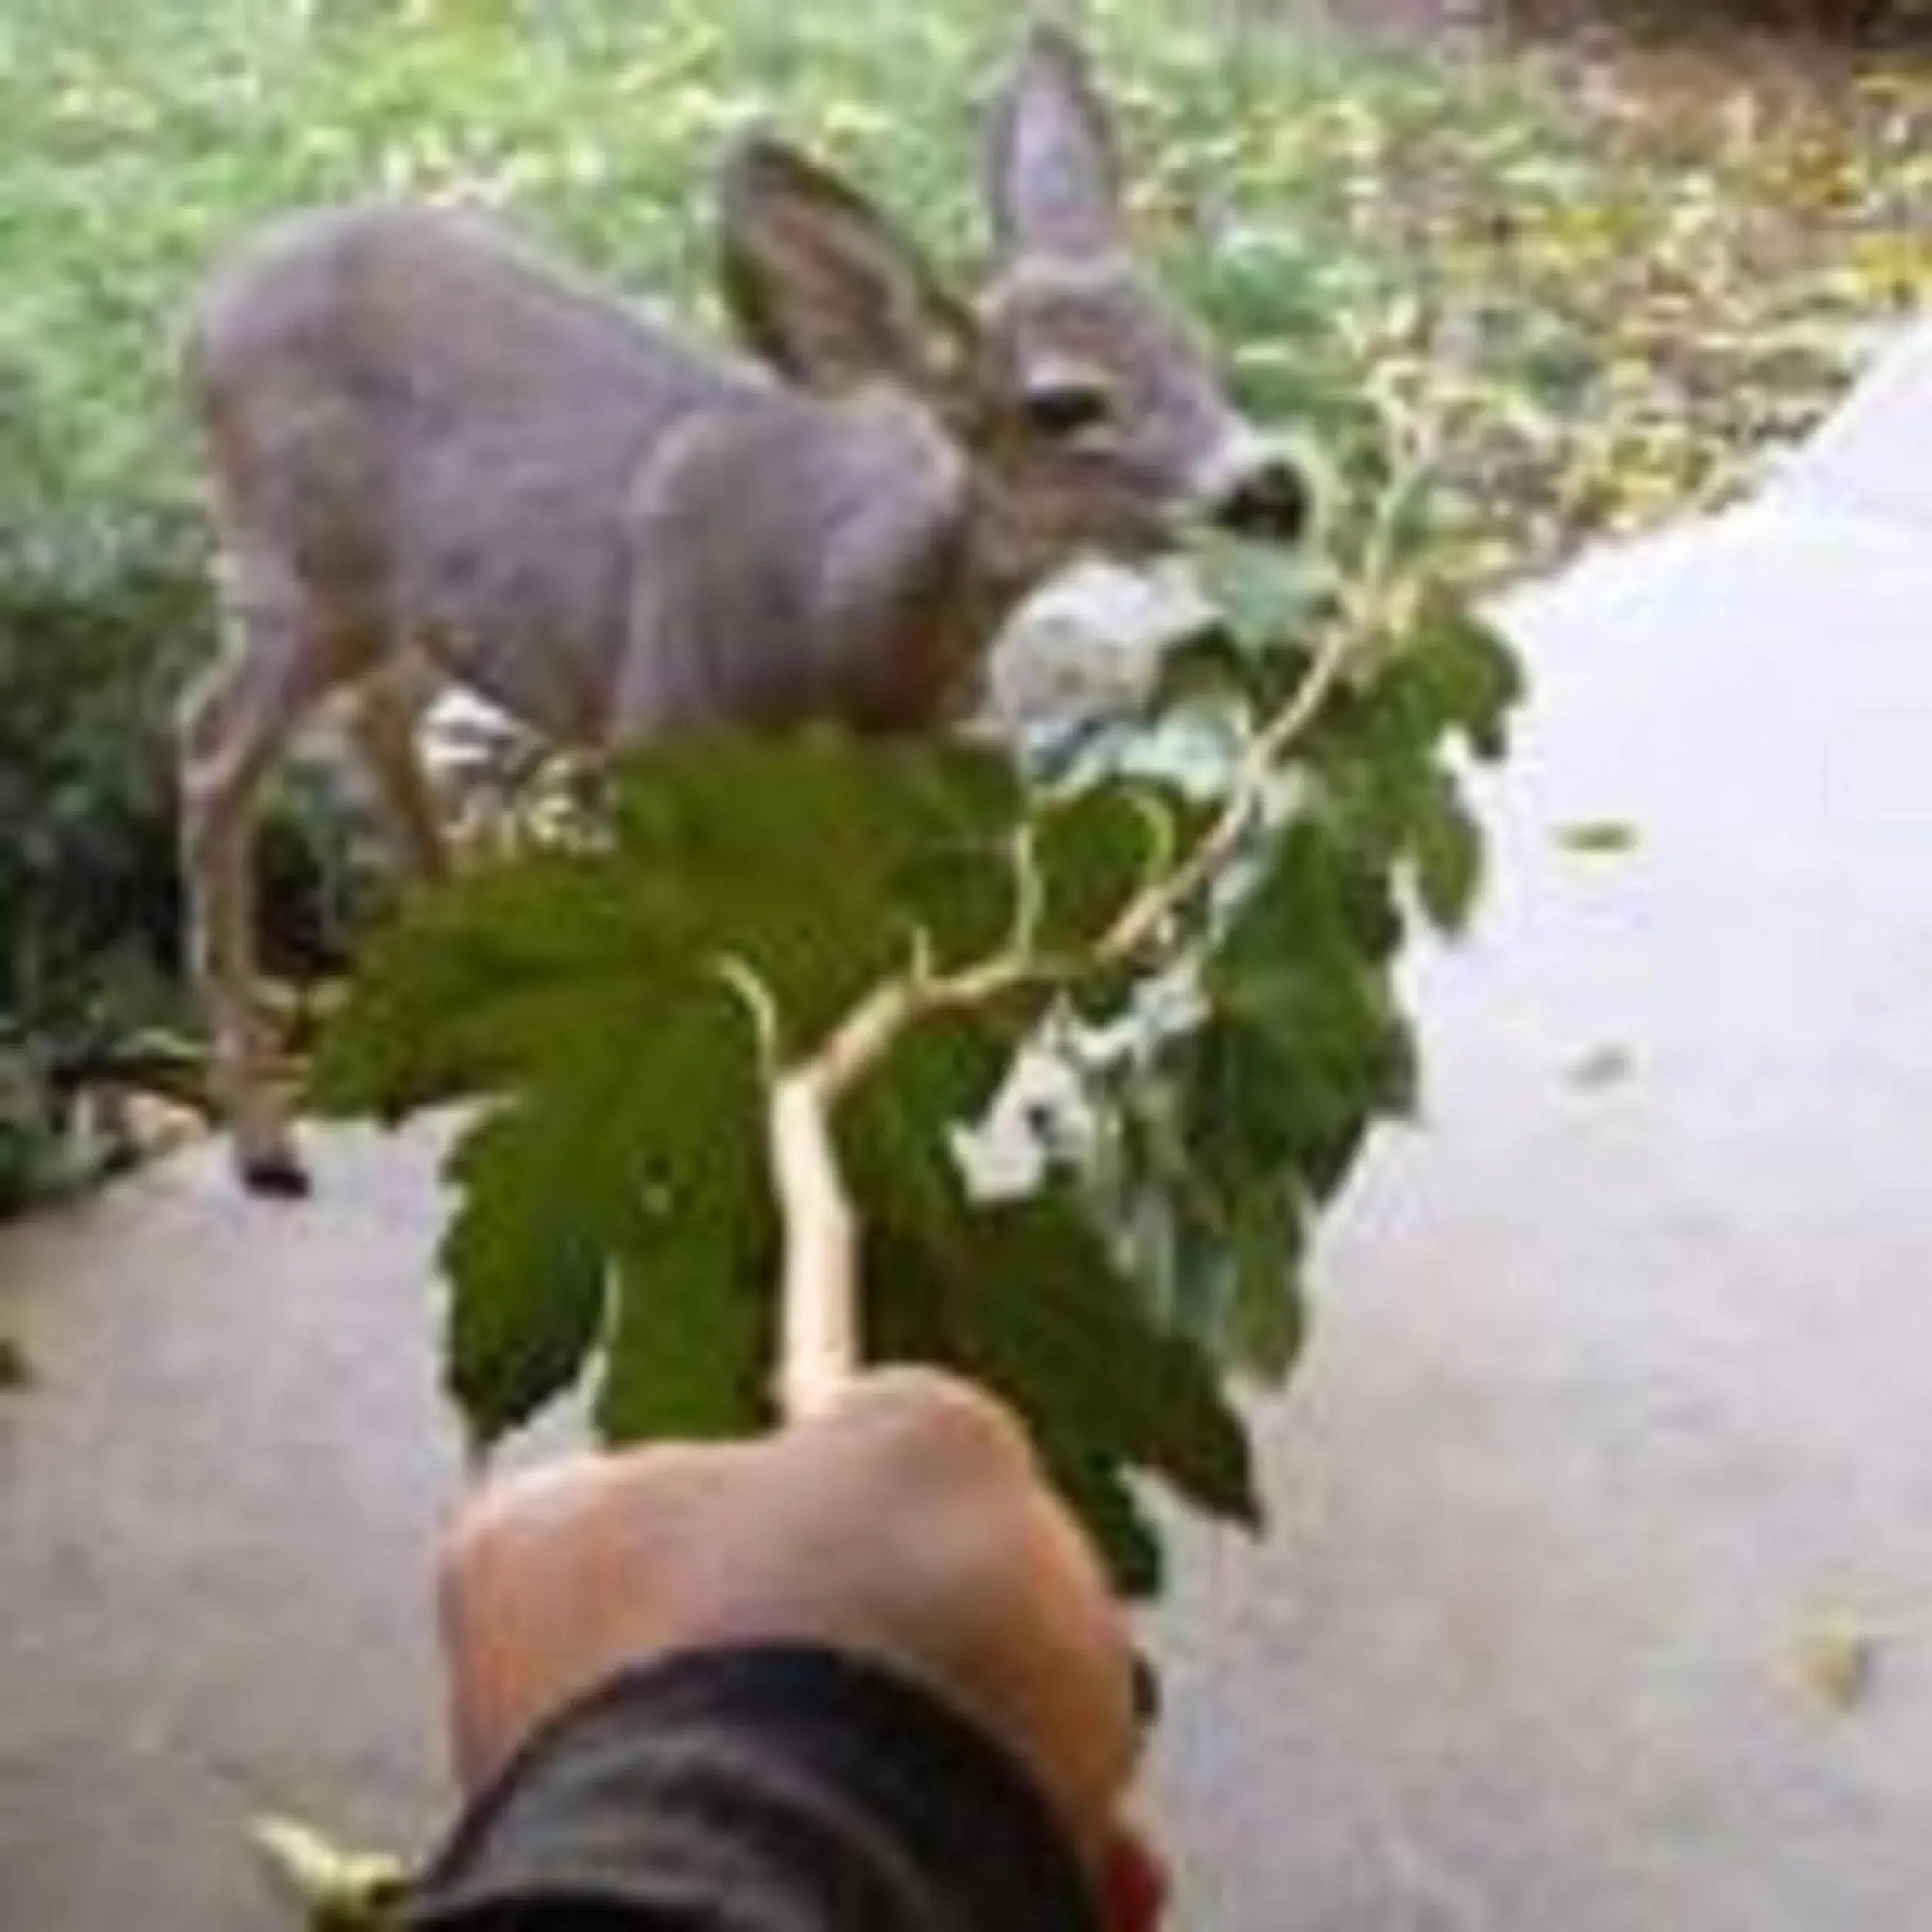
<point x="1090" y="416"/>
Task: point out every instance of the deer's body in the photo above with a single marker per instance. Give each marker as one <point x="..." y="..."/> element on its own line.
<point x="429" y="447"/>
<point x="601" y="529"/>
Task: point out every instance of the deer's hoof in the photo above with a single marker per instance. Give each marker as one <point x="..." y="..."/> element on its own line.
<point x="277" y="1177"/>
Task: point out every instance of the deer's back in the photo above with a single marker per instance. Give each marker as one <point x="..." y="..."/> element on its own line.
<point x="433" y="432"/>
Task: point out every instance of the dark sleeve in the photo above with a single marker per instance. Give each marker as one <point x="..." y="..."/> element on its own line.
<point x="774" y="1789"/>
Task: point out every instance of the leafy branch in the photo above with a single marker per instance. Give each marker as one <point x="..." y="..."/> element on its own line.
<point x="750" y="1025"/>
<point x="821" y="1346"/>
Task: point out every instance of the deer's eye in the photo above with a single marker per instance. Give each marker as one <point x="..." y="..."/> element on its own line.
<point x="1061" y="408"/>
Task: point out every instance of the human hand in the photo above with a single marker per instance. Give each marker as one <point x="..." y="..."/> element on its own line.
<point x="909" y="1525"/>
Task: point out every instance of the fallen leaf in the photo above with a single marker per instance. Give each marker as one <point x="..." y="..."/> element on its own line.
<point x="1598" y="838"/>
<point x="1834" y="1659"/>
<point x="1603" y="1067"/>
<point x="340" y="1890"/>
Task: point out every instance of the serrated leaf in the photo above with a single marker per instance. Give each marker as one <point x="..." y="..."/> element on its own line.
<point x="634" y="1159"/>
<point x="787" y="858"/>
<point x="960" y="897"/>
<point x="582" y="991"/>
<point x="689" y="1351"/>
<point x="1315" y="900"/>
<point x="1025" y="1296"/>
<point x="1446" y="852"/>
<point x="1104" y="1499"/>
<point x="1307" y="1036"/>
<point x="1055" y="1323"/>
<point x="451" y="998"/>
<point x="1092" y="850"/>
<point x="1464" y="675"/>
<point x="527" y="1269"/>
<point x="951" y="819"/>
<point x="811" y="859"/>
<point x="1267" y="1321"/>
<point x="1217" y="1183"/>
<point x="894" y="1131"/>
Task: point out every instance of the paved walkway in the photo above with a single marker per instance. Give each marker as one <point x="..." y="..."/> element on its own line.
<point x="1618" y="1424"/>
<point x="1619" y="1408"/>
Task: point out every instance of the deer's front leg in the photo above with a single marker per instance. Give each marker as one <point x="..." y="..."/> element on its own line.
<point x="235" y="722"/>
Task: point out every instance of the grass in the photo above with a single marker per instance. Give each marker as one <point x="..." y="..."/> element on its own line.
<point x="1633" y="288"/>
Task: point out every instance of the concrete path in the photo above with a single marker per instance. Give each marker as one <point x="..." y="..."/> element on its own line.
<point x="215" y="1509"/>
<point x="1614" y="1448"/>
<point x="1617" y="1428"/>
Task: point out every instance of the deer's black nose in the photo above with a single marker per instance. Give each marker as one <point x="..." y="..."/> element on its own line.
<point x="1269" y="504"/>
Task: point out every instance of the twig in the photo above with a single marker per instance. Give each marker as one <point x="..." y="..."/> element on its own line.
<point x="818" y="1308"/>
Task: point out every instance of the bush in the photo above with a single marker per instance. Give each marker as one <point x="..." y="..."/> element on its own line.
<point x="102" y="617"/>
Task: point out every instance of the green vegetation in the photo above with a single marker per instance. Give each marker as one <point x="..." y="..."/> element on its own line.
<point x="1621" y="283"/>
<point x="1608" y="244"/>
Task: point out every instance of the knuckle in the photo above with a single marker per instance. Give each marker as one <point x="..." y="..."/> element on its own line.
<point x="944" y="1412"/>
<point x="507" y="1514"/>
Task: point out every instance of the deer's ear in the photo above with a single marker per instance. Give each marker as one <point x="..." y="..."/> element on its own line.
<point x="824" y="287"/>
<point x="1052" y="174"/>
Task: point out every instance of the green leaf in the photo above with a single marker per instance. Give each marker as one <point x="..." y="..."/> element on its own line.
<point x="1093" y="850"/>
<point x="628" y="1175"/>
<point x="527" y="1270"/>
<point x="690" y="1353"/>
<point x="894" y="1131"/>
<point x="1463" y="675"/>
<point x="1025" y="1296"/>
<point x="1307" y="1045"/>
<point x="1100" y="1494"/>
<point x="1446" y="846"/>
<point x="811" y="858"/>
<point x="465" y="991"/>
<point x="1598" y="838"/>
<point x="950" y="824"/>
<point x="1268" y="1323"/>
<point x="1318" y="900"/>
<point x="622" y="1170"/>
<point x="1055" y="1324"/>
<point x="696" y="1241"/>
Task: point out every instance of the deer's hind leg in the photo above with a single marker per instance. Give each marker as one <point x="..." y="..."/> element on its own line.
<point x="283" y="659"/>
<point x="384" y="717"/>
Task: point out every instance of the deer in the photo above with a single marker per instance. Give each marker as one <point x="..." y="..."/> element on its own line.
<point x="436" y="457"/>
